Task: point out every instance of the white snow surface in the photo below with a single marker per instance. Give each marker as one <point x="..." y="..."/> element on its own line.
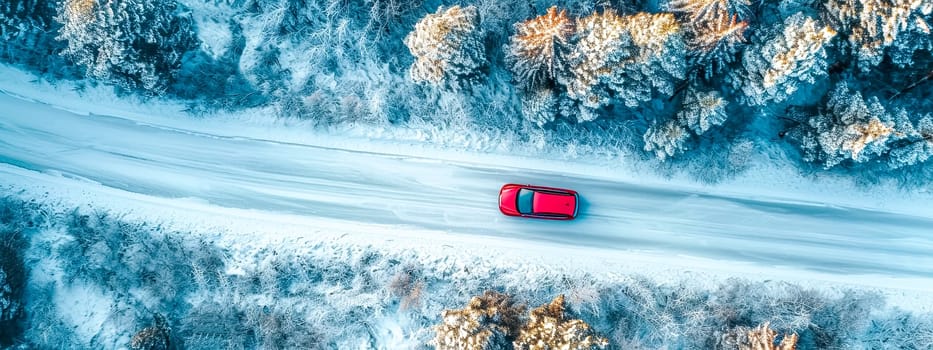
<point x="255" y="184"/>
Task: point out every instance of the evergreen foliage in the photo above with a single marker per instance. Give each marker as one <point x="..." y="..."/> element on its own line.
<point x="12" y="282"/>
<point x="783" y="60"/>
<point x="857" y="130"/>
<point x="624" y="58"/>
<point x="607" y="77"/>
<point x="27" y="33"/>
<point x="134" y="44"/>
<point x="871" y="26"/>
<point x="448" y="48"/>
<point x="537" y="50"/>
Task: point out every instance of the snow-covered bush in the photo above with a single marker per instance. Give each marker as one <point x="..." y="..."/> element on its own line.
<point x="549" y="327"/>
<point x="155" y="337"/>
<point x="538" y="48"/>
<point x="214" y="325"/>
<point x="118" y="255"/>
<point x="12" y="281"/>
<point x="873" y="25"/>
<point x="135" y="44"/>
<point x="903" y="330"/>
<point x="757" y="338"/>
<point x="448" y="48"/>
<point x="623" y="58"/>
<point x="782" y="60"/>
<point x="488" y="322"/>
<point x="407" y="286"/>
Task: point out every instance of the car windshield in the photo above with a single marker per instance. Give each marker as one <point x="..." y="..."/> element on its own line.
<point x="525" y="198"/>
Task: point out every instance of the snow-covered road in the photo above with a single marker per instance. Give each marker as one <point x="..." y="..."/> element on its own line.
<point x="457" y="197"/>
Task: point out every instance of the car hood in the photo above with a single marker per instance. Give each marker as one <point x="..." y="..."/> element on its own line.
<point x="507" y="200"/>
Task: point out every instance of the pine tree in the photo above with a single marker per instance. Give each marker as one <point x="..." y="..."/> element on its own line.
<point x="135" y="44"/>
<point x="629" y="59"/>
<point x="713" y="43"/>
<point x="857" y="130"/>
<point x="550" y="327"/>
<point x="26" y="32"/>
<point x="710" y="10"/>
<point x="791" y="54"/>
<point x="537" y="50"/>
<point x="486" y="323"/>
<point x="666" y="139"/>
<point x="917" y="144"/>
<point x="702" y="110"/>
<point x="873" y="25"/>
<point x="448" y="47"/>
<point x="539" y="106"/>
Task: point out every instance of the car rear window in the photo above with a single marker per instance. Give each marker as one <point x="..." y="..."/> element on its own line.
<point x="525" y="200"/>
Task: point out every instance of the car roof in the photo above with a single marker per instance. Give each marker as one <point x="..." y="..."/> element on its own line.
<point x="547" y="202"/>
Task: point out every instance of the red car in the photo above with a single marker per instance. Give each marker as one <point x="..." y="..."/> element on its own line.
<point x="538" y="202"/>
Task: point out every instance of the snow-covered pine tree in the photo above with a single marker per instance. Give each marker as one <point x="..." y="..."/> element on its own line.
<point x="550" y="326"/>
<point x="660" y="63"/>
<point x="628" y="59"/>
<point x="850" y="129"/>
<point x="448" y="47"/>
<point x="713" y="43"/>
<point x="702" y="110"/>
<point x="537" y="50"/>
<point x="666" y="139"/>
<point x="916" y="144"/>
<point x="486" y="323"/>
<point x="873" y="25"/>
<point x="26" y="31"/>
<point x="135" y="44"/>
<point x="539" y="106"/>
<point x="713" y="30"/>
<point x="784" y="58"/>
<point x="710" y="10"/>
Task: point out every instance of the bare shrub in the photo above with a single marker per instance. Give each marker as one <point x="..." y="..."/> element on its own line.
<point x="212" y="325"/>
<point x="119" y="255"/>
<point x="407" y="285"/>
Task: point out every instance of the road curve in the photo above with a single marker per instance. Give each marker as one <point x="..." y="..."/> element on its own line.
<point x="456" y="197"/>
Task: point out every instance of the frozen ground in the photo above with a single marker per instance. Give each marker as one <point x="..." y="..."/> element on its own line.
<point x="254" y="187"/>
